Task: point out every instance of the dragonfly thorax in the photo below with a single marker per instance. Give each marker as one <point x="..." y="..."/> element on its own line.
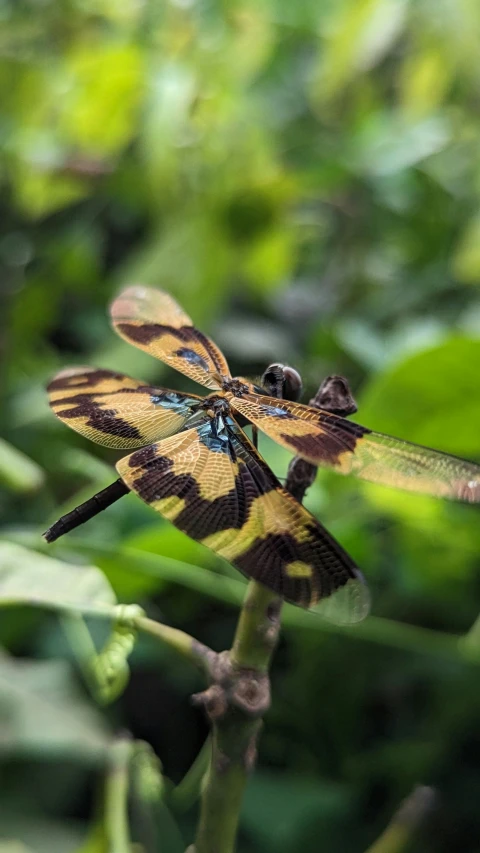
<point x="216" y="405"/>
<point x="235" y="387"/>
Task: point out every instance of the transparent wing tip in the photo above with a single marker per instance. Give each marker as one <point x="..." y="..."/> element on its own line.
<point x="346" y="606"/>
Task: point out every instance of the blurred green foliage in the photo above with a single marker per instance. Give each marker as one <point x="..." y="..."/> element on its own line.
<point x="304" y="178"/>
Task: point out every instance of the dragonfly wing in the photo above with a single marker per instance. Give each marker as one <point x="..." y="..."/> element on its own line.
<point x="152" y="321"/>
<point x="220" y="492"/>
<point x="115" y="410"/>
<point x="329" y="440"/>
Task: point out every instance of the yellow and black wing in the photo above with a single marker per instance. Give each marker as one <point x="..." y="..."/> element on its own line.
<point x="115" y="410"/>
<point x="326" y="439"/>
<point x="151" y="320"/>
<point x="218" y="490"/>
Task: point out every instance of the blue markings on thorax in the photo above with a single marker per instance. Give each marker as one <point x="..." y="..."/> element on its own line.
<point x="178" y="403"/>
<point x="214" y="435"/>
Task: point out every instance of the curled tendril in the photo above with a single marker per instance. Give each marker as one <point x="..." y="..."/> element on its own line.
<point x="109" y="669"/>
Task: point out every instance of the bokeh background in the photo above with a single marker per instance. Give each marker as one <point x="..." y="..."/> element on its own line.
<point x="304" y="177"/>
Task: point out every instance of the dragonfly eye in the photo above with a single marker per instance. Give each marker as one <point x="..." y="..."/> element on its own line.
<point x="280" y="380"/>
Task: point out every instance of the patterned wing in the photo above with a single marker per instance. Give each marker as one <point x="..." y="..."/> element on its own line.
<point x="115" y="410"/>
<point x="326" y="439"/>
<point x="216" y="488"/>
<point x="151" y="320"/>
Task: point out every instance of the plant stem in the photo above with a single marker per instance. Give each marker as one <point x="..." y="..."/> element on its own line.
<point x="405" y="821"/>
<point x="116" y="798"/>
<point x="186" y="793"/>
<point x="234" y="734"/>
<point x="257" y="629"/>
<point x="225" y="784"/>
<point x="183" y="643"/>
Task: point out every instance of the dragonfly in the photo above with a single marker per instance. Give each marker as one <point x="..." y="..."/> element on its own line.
<point x="192" y="461"/>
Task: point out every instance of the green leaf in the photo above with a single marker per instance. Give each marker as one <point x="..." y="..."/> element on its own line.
<point x="29" y="578"/>
<point x="358" y="36"/>
<point x="285" y="813"/>
<point x="270" y="258"/>
<point x="105" y="80"/>
<point x="387" y="142"/>
<point x="425" y="78"/>
<point x="431" y="398"/>
<point x="96" y="841"/>
<point x="18" y="473"/>
<point x="37" y="834"/>
<point x="163" y="538"/>
<point x="43" y="714"/>
<point x="154" y="567"/>
<point x="466" y="260"/>
<point x="40" y="193"/>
